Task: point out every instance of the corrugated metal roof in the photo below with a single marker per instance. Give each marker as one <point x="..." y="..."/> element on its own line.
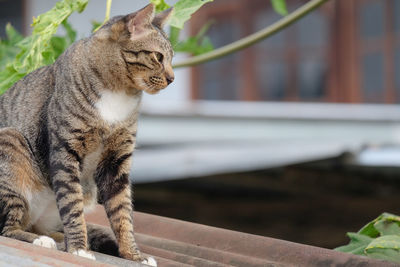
<point x="178" y="243"/>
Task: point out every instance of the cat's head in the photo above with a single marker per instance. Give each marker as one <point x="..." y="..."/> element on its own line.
<point x="135" y="50"/>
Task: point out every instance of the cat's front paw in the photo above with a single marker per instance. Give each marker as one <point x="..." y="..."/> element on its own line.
<point x="150" y="261"/>
<point x="84" y="253"/>
<point x="129" y="254"/>
<point x="45" y="241"/>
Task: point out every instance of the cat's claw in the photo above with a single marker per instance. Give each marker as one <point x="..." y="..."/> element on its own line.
<point x="150" y="261"/>
<point x="84" y="253"/>
<point x="45" y="241"/>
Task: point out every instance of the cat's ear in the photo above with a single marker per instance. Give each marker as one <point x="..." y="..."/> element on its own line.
<point x="140" y="21"/>
<point x="161" y="18"/>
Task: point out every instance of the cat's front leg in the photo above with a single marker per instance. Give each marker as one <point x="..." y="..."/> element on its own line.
<point x="112" y="179"/>
<point x="64" y="172"/>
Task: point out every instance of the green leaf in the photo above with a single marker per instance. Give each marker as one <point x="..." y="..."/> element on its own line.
<point x="279" y="7"/>
<point x="13" y="35"/>
<point x="183" y="10"/>
<point x="385" y="247"/>
<point x="369" y="229"/>
<point x="378" y="239"/>
<point x="174" y="35"/>
<point x="390" y="217"/>
<point x="160" y="5"/>
<point x="387" y="241"/>
<point x="37" y="50"/>
<point x="61" y="43"/>
<point x="196" y="45"/>
<point x="8" y="48"/>
<point x="386" y="227"/>
<point x="71" y="33"/>
<point x="385" y="254"/>
<point x="358" y="244"/>
<point x="96" y="25"/>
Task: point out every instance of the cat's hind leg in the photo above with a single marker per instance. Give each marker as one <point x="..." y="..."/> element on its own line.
<point x="18" y="180"/>
<point x="101" y="239"/>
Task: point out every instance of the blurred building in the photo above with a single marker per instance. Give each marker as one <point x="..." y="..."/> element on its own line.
<point x="347" y="51"/>
<point x="271" y="104"/>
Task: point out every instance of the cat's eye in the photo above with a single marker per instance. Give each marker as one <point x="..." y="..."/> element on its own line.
<point x="159" y="57"/>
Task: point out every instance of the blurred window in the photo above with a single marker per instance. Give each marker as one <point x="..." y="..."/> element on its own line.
<point x="313" y="38"/>
<point x="311" y="77"/>
<point x="345" y="51"/>
<point x="291" y="64"/>
<point x="397" y="71"/>
<point x="372" y="76"/>
<point x="221" y="79"/>
<point x="396" y="15"/>
<point x="11" y="11"/>
<point x="261" y="20"/>
<point x="313" y="30"/>
<point x="376" y="50"/>
<point x="272" y="72"/>
<point x="372" y="19"/>
<point x="221" y="76"/>
<point x="273" y="77"/>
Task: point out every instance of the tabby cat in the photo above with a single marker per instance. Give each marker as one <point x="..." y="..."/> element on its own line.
<point x="67" y="135"/>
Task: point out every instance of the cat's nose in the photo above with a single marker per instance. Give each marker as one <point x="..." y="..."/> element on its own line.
<point x="169" y="74"/>
<point x="169" y="78"/>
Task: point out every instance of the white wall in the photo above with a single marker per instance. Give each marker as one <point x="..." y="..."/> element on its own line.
<point x="178" y="91"/>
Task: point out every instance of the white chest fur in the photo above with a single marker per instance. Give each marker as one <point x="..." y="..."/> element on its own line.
<point x="116" y="106"/>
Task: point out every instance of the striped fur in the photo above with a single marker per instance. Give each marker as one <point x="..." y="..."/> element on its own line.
<point x="68" y="132"/>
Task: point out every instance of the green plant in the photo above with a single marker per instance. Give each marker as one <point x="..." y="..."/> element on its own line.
<point x="378" y="239"/>
<point x="280" y="7"/>
<point x="8" y="49"/>
<point x="41" y="48"/>
<point x="183" y="10"/>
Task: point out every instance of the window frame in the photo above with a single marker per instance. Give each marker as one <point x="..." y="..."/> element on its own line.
<point x="344" y="54"/>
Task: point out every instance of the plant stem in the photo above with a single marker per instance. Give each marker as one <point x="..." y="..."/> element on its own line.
<point x="253" y="38"/>
<point x="107" y="16"/>
<point x="108" y="10"/>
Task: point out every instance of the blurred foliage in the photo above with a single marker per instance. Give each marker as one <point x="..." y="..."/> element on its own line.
<point x="60" y="43"/>
<point x="378" y="239"/>
<point x="183" y="10"/>
<point x="280" y="7"/>
<point x="8" y="48"/>
<point x="41" y="48"/>
<point x="96" y="25"/>
<point x="160" y="5"/>
<point x="195" y="45"/>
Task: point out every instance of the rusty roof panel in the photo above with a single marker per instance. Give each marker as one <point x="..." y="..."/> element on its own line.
<point x="18" y="253"/>
<point x="178" y="243"/>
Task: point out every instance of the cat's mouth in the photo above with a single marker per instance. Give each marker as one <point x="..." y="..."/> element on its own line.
<point x="154" y="85"/>
<point x="151" y="86"/>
